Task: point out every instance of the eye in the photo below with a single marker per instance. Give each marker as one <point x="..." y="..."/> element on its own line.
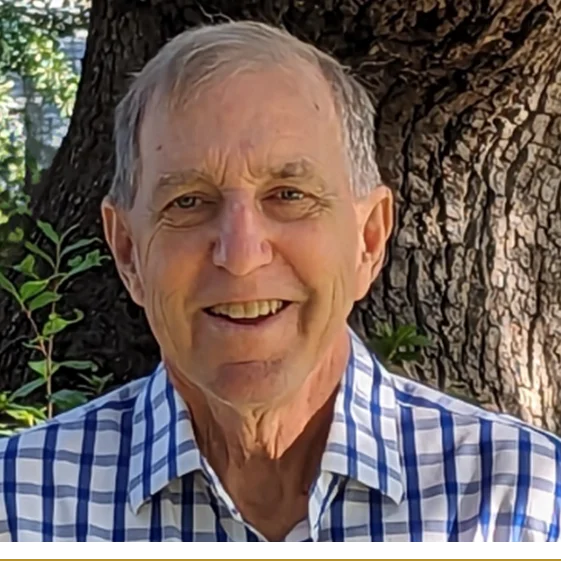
<point x="289" y="194"/>
<point x="187" y="202"/>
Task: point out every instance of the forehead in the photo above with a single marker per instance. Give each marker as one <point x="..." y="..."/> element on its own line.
<point x="254" y="119"/>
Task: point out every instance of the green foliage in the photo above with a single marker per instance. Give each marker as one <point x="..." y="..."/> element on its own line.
<point x="31" y="32"/>
<point x="398" y="346"/>
<point x="395" y="347"/>
<point x="31" y="54"/>
<point x="42" y="274"/>
<point x="30" y="47"/>
<point x="12" y="140"/>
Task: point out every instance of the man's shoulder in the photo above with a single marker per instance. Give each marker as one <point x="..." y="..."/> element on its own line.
<point x="433" y="409"/>
<point x="490" y="449"/>
<point x="109" y="416"/>
<point x="510" y="469"/>
<point x="50" y="459"/>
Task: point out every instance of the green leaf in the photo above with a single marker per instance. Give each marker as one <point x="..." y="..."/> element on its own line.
<point x="26" y="266"/>
<point x="77" y="245"/>
<point x="39" y="366"/>
<point x="28" y="345"/>
<point x="419" y="341"/>
<point x="32" y="288"/>
<point x="44" y="299"/>
<point x="75" y="261"/>
<point x="53" y="326"/>
<point x="68" y="399"/>
<point x="16" y="235"/>
<point x="403" y="333"/>
<point x="92" y="259"/>
<point x="381" y="348"/>
<point x="56" y="323"/>
<point x="27" y="414"/>
<point x="22" y="209"/>
<point x="7" y="285"/>
<point x="38" y="251"/>
<point x="26" y="389"/>
<point x="95" y="385"/>
<point x="6" y="431"/>
<point x="386" y="330"/>
<point x="49" y="231"/>
<point x="80" y="365"/>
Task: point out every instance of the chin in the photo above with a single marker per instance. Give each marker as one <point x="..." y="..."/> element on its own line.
<point x="252" y="384"/>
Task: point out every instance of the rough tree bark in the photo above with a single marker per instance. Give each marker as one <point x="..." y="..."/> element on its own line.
<point x="469" y="134"/>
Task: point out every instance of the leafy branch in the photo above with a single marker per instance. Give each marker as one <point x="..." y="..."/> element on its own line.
<point x="398" y="346"/>
<point x="35" y="295"/>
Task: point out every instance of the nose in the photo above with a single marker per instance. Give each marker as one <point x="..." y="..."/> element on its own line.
<point x="241" y="245"/>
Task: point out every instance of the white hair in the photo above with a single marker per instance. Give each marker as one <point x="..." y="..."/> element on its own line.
<point x="197" y="55"/>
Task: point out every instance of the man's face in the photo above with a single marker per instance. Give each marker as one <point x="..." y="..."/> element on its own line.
<point x="244" y="245"/>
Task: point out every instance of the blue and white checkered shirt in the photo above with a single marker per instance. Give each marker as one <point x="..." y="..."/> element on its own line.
<point x="402" y="462"/>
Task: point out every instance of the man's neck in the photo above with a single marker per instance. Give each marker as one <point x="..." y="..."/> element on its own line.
<point x="267" y="459"/>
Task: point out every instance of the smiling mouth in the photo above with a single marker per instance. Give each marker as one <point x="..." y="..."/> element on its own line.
<point x="248" y="313"/>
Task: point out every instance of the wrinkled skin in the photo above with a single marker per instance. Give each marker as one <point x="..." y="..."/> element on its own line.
<point x="244" y="194"/>
<point x="229" y="230"/>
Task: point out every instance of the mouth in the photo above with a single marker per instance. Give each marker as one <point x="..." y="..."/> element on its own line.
<point x="253" y="312"/>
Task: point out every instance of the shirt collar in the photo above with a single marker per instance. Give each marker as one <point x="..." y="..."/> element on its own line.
<point x="163" y="445"/>
<point x="362" y="443"/>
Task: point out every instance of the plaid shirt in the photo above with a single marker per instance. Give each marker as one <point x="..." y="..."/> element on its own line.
<point x="402" y="462"/>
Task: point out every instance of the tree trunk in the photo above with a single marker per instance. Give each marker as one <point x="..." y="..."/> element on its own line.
<point x="469" y="135"/>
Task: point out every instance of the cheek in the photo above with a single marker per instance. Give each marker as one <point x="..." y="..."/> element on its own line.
<point x="172" y="261"/>
<point x="323" y="256"/>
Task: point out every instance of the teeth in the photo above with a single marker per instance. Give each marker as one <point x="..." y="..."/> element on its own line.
<point x="248" y="310"/>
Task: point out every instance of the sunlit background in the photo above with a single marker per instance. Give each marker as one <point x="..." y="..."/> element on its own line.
<point x="41" y="47"/>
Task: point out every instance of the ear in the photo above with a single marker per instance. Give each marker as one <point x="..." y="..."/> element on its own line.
<point x="119" y="239"/>
<point x="375" y="216"/>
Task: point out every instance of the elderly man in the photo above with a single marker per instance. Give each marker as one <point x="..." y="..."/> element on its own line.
<point x="246" y="217"/>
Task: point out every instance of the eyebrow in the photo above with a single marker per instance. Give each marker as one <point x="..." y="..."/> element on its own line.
<point x="298" y="169"/>
<point x="183" y="177"/>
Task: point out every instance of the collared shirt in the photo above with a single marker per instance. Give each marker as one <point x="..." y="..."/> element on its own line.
<point x="402" y="462"/>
